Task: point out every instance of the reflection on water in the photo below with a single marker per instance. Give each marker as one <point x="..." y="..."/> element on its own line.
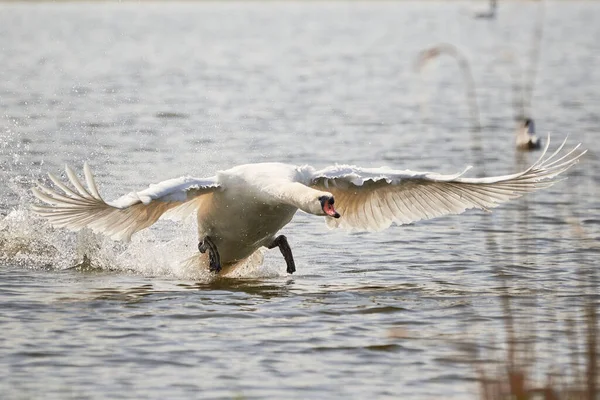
<point x="133" y="294"/>
<point x="250" y="287"/>
<point x="147" y="94"/>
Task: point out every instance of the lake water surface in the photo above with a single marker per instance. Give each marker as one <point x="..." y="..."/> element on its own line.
<point x="146" y="92"/>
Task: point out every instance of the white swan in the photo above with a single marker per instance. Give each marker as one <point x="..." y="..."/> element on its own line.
<point x="241" y="209"/>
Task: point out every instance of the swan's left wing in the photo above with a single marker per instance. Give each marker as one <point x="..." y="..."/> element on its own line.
<point x="373" y="198"/>
<point x="79" y="207"/>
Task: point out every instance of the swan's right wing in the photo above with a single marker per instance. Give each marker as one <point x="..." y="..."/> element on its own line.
<point x="84" y="207"/>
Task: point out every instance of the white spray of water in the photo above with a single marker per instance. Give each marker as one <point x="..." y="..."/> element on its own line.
<point x="30" y="242"/>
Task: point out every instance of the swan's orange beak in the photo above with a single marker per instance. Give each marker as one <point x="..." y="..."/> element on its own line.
<point x="327" y="206"/>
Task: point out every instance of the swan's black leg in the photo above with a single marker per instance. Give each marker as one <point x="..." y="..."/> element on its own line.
<point x="281" y="242"/>
<point x="213" y="254"/>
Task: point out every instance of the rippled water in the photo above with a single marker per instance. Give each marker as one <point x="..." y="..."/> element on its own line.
<point x="147" y="92"/>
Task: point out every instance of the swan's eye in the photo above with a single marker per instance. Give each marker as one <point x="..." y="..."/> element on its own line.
<point x="325" y="200"/>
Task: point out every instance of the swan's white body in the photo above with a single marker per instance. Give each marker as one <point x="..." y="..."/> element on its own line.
<point x="244" y="207"/>
<point x="255" y="206"/>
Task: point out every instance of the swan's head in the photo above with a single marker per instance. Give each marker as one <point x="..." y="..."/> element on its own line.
<point x="326" y="203"/>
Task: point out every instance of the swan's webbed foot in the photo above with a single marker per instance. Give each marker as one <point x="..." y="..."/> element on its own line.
<point x="213" y="254"/>
<point x="281" y="242"/>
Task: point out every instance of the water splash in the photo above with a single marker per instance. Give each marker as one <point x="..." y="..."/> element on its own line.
<point x="28" y="241"/>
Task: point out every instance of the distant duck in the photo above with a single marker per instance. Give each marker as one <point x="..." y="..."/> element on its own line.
<point x="490" y="14"/>
<point x="526" y="139"/>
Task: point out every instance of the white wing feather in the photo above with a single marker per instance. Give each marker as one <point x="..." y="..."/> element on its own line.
<point x="372" y="199"/>
<point x="119" y="219"/>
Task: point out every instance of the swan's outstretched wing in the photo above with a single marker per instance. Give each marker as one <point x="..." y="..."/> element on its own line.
<point x="81" y="207"/>
<point x="372" y="198"/>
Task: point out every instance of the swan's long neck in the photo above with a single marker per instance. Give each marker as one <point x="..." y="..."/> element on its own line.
<point x="299" y="196"/>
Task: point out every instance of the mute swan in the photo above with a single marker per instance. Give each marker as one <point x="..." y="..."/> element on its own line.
<point x="241" y="209"/>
